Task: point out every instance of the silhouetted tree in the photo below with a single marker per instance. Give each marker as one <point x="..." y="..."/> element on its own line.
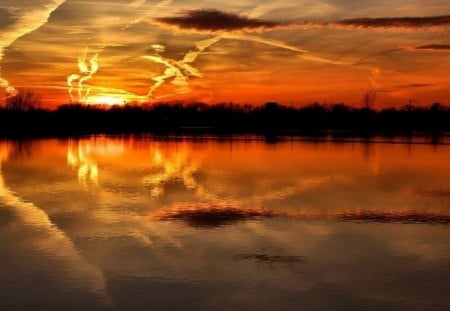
<point x="24" y="100"/>
<point x="368" y="99"/>
<point x="437" y="107"/>
<point x="222" y="118"/>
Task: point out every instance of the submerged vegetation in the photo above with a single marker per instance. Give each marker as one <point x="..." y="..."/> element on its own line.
<point x="222" y="118"/>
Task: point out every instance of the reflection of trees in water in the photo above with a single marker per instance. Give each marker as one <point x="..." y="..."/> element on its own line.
<point x="22" y="149"/>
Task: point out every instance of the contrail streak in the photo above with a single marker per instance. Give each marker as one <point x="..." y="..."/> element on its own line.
<point x="365" y="59"/>
<point x="304" y="54"/>
<point x="138" y="3"/>
<point x="27" y="23"/>
<point x="257" y="39"/>
<point x="70" y="80"/>
<point x="86" y="71"/>
<point x="10" y="90"/>
<point x="181" y="70"/>
<point x="172" y="70"/>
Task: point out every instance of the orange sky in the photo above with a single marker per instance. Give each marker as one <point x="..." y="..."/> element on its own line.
<point x="253" y="51"/>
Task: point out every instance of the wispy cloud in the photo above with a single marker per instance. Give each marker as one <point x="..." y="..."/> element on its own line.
<point x="366" y="59"/>
<point x="434" y="47"/>
<point x="27" y="22"/>
<point x="397" y="22"/>
<point x="138" y="4"/>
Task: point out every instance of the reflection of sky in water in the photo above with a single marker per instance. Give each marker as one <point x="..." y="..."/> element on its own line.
<point x="207" y="224"/>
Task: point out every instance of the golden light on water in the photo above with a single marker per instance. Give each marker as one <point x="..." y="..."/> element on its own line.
<point x="83" y="156"/>
<point x="78" y="157"/>
<point x="166" y="169"/>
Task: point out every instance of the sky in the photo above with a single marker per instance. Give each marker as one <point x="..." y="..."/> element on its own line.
<point x="248" y="51"/>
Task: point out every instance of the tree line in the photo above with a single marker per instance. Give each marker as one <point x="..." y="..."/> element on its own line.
<point x="221" y="118"/>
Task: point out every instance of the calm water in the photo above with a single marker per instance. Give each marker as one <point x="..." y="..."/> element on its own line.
<point x="140" y="224"/>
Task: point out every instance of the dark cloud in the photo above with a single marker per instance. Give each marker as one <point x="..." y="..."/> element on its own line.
<point x="415" y="85"/>
<point x="434" y="47"/>
<point x="215" y="20"/>
<point x="400" y="22"/>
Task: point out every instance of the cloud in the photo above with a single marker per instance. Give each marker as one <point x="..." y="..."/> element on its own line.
<point x="26" y="22"/>
<point x="136" y="3"/>
<point x="215" y="20"/>
<point x="416" y="85"/>
<point x="407" y="217"/>
<point x="6" y="18"/>
<point x="179" y="71"/>
<point x="226" y="26"/>
<point x="397" y="22"/>
<point x="211" y="20"/>
<point x="434" y="47"/>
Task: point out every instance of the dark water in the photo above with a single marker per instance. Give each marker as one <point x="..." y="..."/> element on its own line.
<point x="140" y="224"/>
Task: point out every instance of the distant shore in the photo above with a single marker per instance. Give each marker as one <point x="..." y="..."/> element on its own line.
<point x="271" y="119"/>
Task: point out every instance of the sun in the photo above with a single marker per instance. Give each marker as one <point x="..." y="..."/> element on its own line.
<point x="110" y="100"/>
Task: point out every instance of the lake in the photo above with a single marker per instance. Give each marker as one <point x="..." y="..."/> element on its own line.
<point x="112" y="223"/>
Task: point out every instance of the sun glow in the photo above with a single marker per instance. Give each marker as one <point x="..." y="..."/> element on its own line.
<point x="109" y="100"/>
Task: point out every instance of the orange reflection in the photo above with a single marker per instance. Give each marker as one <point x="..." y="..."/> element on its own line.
<point x="82" y="155"/>
<point x="302" y="180"/>
<point x="149" y="190"/>
<point x="167" y="168"/>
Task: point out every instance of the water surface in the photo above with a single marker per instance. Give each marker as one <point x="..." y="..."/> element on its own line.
<point x="141" y="223"/>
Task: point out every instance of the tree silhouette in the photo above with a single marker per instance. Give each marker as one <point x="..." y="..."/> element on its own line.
<point x="368" y="99"/>
<point x="25" y="100"/>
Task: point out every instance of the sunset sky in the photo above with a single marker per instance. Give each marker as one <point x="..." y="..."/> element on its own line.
<point x="248" y="51"/>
